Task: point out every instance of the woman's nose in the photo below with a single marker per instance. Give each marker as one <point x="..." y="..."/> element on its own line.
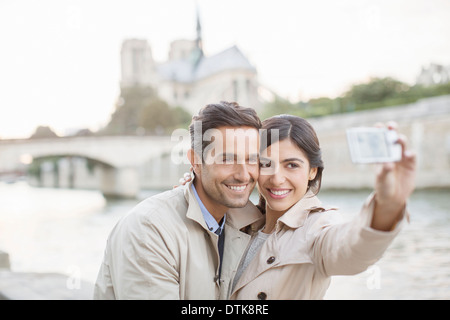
<point x="277" y="178"/>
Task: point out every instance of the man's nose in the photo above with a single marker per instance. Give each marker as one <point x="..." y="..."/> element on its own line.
<point x="242" y="173"/>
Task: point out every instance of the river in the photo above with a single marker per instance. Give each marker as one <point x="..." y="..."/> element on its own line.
<point x="61" y="230"/>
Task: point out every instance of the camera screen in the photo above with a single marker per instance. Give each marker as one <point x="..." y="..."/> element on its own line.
<point x="372" y="145"/>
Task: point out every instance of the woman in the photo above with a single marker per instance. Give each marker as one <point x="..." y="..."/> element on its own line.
<point x="300" y="245"/>
<point x="299" y="248"/>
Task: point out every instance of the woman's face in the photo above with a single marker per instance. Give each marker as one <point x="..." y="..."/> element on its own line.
<point x="284" y="175"/>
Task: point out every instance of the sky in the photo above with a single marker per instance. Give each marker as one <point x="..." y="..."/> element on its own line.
<point x="60" y="59"/>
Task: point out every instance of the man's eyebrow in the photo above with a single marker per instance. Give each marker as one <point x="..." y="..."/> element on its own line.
<point x="226" y="154"/>
<point x="234" y="154"/>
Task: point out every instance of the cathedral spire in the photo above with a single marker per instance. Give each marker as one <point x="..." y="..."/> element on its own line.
<point x="197" y="54"/>
<point x="198" y="41"/>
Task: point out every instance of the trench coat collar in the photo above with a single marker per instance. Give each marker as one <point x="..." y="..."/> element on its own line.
<point x="237" y="218"/>
<point x="295" y="217"/>
<point x="243" y="217"/>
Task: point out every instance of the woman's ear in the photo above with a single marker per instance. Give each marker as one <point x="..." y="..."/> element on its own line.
<point x="195" y="161"/>
<point x="312" y="173"/>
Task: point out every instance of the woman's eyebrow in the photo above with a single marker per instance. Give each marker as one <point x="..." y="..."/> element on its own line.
<point x="293" y="159"/>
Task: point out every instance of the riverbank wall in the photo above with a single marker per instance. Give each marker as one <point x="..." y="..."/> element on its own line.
<point x="40" y="285"/>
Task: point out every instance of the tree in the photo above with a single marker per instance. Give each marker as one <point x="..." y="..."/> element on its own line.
<point x="139" y="110"/>
<point x="43" y="132"/>
<point x="376" y="90"/>
<point x="377" y="93"/>
<point x="124" y="120"/>
<point x="279" y="106"/>
<point x="157" y="117"/>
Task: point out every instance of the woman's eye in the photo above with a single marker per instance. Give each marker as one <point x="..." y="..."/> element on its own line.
<point x="292" y="165"/>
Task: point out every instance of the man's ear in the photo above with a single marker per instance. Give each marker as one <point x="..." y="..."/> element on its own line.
<point x="195" y="161"/>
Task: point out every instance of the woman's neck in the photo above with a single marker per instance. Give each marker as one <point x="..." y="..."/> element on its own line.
<point x="271" y="219"/>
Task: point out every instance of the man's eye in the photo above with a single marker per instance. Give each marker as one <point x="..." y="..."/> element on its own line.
<point x="228" y="159"/>
<point x="265" y="164"/>
<point x="253" y="160"/>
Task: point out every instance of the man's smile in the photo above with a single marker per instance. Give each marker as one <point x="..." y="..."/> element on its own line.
<point x="237" y="188"/>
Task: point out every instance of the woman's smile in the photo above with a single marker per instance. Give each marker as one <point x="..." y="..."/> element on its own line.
<point x="278" y="193"/>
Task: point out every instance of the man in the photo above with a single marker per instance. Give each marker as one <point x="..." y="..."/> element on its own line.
<point x="170" y="246"/>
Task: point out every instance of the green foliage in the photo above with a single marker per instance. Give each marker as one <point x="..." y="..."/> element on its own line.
<point x="42" y="132"/>
<point x="140" y="111"/>
<point x="280" y="106"/>
<point x="376" y="90"/>
<point x="159" y="118"/>
<point x="377" y="93"/>
<point x="388" y="92"/>
<point x="35" y="168"/>
<point x="313" y="108"/>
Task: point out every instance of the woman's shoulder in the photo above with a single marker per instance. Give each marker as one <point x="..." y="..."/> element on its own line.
<point x="321" y="216"/>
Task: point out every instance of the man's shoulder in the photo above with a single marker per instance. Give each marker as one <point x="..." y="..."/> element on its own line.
<point x="168" y="203"/>
<point x="155" y="220"/>
<point x="166" y="208"/>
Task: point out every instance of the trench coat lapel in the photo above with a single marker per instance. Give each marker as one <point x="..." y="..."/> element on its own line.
<point x="294" y="218"/>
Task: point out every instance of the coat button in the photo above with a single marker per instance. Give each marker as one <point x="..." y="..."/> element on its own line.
<point x="262" y="296"/>
<point x="271" y="260"/>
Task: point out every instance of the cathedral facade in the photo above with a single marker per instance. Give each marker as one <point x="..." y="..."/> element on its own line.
<point x="188" y="78"/>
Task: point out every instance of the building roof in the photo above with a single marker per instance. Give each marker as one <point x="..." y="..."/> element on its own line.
<point x="190" y="70"/>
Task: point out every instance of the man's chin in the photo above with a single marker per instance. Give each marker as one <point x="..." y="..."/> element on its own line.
<point x="237" y="206"/>
<point x="237" y="203"/>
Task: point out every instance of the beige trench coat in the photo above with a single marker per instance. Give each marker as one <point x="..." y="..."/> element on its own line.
<point x="163" y="249"/>
<point x="307" y="247"/>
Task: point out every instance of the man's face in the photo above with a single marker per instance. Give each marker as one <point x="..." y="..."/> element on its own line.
<point x="230" y="167"/>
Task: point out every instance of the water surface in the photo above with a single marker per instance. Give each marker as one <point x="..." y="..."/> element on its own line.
<point x="60" y="230"/>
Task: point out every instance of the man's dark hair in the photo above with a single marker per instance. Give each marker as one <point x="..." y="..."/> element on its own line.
<point x="213" y="116"/>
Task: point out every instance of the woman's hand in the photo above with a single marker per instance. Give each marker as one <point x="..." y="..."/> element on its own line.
<point x="394" y="184"/>
<point x="186" y="178"/>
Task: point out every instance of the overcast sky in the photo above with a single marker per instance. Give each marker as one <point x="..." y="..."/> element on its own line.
<point x="60" y="60"/>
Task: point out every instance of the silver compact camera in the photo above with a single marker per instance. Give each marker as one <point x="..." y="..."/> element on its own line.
<point x="373" y="145"/>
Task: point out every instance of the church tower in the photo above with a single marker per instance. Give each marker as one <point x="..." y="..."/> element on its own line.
<point x="198" y="41"/>
<point x="137" y="64"/>
<point x="197" y="53"/>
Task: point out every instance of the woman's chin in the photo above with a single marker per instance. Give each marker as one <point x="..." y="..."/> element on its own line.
<point x="278" y="207"/>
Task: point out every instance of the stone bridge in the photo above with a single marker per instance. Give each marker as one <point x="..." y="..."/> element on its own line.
<point x="118" y="160"/>
<point x="121" y="165"/>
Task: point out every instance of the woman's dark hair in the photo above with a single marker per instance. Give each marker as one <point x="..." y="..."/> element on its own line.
<point x="217" y="115"/>
<point x="303" y="135"/>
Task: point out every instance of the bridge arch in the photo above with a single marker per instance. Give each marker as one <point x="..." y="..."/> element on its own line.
<point x="63" y="170"/>
<point x="120" y="164"/>
<point x="53" y="162"/>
